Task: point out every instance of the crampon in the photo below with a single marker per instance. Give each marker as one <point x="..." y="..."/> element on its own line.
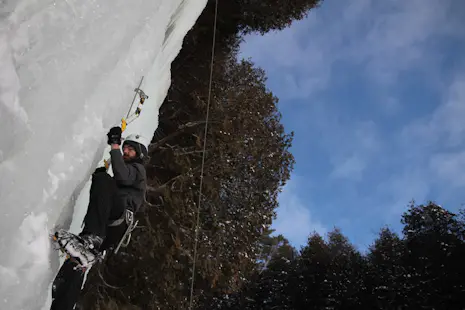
<point x="83" y="259"/>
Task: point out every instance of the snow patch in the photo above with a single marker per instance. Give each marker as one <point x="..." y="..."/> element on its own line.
<point x="9" y="83"/>
<point x="28" y="262"/>
<point x="59" y="156"/>
<point x="54" y="182"/>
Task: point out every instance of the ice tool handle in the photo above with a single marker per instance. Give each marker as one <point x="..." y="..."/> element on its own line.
<point x="131" y="117"/>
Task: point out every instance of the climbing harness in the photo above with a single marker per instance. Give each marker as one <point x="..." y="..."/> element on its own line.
<point x="191" y="301"/>
<point x="128" y="217"/>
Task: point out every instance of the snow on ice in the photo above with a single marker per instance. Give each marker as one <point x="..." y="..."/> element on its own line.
<point x="67" y="74"/>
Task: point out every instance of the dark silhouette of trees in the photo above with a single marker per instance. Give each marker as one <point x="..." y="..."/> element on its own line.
<point x="421" y="270"/>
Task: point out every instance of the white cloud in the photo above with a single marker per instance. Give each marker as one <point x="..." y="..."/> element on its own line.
<point x="404" y="185"/>
<point x="391" y="105"/>
<point x="352" y="146"/>
<point x="350" y="168"/>
<point x="384" y="38"/>
<point x="445" y="125"/>
<point x="432" y="154"/>
<point x="398" y="34"/>
<point x="294" y="220"/>
<point x="449" y="167"/>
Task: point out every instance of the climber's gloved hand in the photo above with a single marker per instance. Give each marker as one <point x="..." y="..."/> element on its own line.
<point x="114" y="136"/>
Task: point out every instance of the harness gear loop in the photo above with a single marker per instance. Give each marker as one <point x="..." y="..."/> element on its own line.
<point x="128" y="217"/>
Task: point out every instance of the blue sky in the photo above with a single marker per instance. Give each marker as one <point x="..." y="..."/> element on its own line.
<point x="375" y="93"/>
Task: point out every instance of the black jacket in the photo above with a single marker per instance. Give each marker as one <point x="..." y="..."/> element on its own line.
<point x="131" y="179"/>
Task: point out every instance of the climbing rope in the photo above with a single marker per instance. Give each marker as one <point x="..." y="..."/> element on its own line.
<point x="203" y="159"/>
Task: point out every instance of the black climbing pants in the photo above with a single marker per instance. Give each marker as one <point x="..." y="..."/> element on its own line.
<point x="66" y="287"/>
<point x="103" y="205"/>
<point x="102" y="209"/>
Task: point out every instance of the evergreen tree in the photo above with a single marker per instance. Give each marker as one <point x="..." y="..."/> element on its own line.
<point x="264" y="16"/>
<point x="276" y="288"/>
<point x="273" y="246"/>
<point x="313" y="269"/>
<point x="434" y="242"/>
<point x="271" y="287"/>
<point x="421" y="271"/>
<point x="385" y="276"/>
<point x="346" y="272"/>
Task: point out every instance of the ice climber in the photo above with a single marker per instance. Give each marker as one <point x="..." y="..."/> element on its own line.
<point x="110" y="197"/>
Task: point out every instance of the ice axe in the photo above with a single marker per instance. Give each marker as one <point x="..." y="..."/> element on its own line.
<point x="131" y="117"/>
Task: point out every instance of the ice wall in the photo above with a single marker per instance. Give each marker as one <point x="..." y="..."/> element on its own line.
<point x="67" y="74"/>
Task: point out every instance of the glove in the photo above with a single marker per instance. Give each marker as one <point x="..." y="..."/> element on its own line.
<point x="114" y="136"/>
